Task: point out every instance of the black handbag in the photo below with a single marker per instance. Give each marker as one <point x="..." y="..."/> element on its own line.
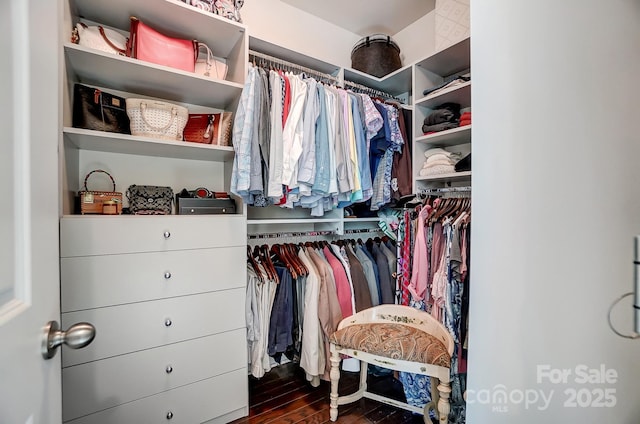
<point x="149" y="200"/>
<point x="94" y="109"/>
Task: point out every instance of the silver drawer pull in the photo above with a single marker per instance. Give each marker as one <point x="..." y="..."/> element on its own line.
<point x="169" y="369"/>
<point x="167" y="275"/>
<point x="167" y="234"/>
<point x="167" y="322"/>
<point x="169" y="415"/>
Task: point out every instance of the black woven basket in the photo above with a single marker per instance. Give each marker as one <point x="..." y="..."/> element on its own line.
<point x="376" y="55"/>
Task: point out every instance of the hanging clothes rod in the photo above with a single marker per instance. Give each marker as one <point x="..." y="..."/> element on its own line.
<point x="285" y="235"/>
<point x="445" y="190"/>
<point x="364" y="230"/>
<point x="283" y="63"/>
<point x="372" y="91"/>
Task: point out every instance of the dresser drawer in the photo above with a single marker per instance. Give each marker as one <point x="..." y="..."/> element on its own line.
<point x="133" y="327"/>
<point x="97" y="385"/>
<point x="100" y="235"/>
<point x="194" y="403"/>
<point x="97" y="281"/>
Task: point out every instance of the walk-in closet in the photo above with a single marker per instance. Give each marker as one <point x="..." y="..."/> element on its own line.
<point x="227" y="212"/>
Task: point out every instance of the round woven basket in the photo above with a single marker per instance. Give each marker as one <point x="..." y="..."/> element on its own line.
<point x="376" y="55"/>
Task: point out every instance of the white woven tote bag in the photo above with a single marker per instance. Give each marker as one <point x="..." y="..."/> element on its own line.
<point x="157" y="119"/>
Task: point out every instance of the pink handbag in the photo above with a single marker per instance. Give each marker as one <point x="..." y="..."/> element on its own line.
<point x="145" y="43"/>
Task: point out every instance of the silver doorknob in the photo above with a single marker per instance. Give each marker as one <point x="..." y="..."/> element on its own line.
<point x="169" y="415"/>
<point x="167" y="275"/>
<point x="77" y="336"/>
<point x="167" y="234"/>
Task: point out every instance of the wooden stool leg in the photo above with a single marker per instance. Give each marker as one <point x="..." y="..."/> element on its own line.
<point x="444" y="390"/>
<point x="335" y="378"/>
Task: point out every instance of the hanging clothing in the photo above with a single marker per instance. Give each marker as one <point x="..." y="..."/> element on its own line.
<point x="301" y="143"/>
<point x="362" y="296"/>
<point x="259" y="302"/>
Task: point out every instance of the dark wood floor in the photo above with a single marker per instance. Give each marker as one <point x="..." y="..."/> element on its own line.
<point x="284" y="396"/>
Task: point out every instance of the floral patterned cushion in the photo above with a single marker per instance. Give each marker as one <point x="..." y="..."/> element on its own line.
<point x="395" y="341"/>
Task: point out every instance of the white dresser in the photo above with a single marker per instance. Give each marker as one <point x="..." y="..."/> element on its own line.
<point x="166" y="296"/>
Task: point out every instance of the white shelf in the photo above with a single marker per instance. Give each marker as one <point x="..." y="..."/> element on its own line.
<point x="204" y="217"/>
<point x="357" y="220"/>
<point x="93" y="67"/>
<point x="455" y="176"/>
<point x="171" y="17"/>
<point x="288" y="55"/>
<point x="298" y="221"/>
<point x="450" y="60"/>
<point x="395" y="83"/>
<point x="452" y="137"/>
<point x="123" y="143"/>
<point x="460" y="94"/>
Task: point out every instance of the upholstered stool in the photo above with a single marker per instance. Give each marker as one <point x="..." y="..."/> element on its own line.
<point x="400" y="338"/>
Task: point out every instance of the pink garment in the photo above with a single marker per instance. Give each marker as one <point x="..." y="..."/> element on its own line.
<point x="463" y="249"/>
<point x="441" y="278"/>
<point x="328" y="306"/>
<point x="420" y="269"/>
<point x="437" y="246"/>
<point x="342" y="283"/>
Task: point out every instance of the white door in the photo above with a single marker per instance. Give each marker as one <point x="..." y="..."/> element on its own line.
<point x="29" y="279"/>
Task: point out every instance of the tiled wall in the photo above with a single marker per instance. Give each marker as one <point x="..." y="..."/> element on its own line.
<point x="452" y="22"/>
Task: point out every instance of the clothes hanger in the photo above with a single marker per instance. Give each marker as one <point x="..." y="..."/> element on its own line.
<point x="286" y="261"/>
<point x="293" y="255"/>
<point x="441" y="208"/>
<point x="264" y="251"/>
<point x="257" y="255"/>
<point x="254" y="264"/>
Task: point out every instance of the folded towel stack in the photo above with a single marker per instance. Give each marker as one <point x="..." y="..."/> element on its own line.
<point x="439" y="161"/>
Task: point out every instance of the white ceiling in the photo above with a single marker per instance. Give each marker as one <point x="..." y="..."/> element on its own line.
<point x="367" y="17"/>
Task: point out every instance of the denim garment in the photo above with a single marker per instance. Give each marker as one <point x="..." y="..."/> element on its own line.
<point x="281" y="320"/>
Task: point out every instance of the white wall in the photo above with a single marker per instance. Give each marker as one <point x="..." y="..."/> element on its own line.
<point x="290" y="27"/>
<point x="556" y="205"/>
<point x="417" y="40"/>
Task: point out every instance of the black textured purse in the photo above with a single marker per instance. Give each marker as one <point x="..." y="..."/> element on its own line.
<point x="94" y="109"/>
<point x="149" y="200"/>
